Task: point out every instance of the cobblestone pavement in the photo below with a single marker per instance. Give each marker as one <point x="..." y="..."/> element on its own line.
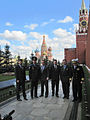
<point x="51" y="108"/>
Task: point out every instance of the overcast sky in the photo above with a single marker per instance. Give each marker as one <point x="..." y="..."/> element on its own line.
<point x="24" y="22"/>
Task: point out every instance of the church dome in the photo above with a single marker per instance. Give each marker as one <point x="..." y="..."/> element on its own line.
<point x="36" y="51"/>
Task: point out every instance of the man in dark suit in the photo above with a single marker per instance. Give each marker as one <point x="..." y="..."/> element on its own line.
<point x="20" y="80"/>
<point x="55" y="75"/>
<point x="65" y="74"/>
<point x="34" y="75"/>
<point x="78" y="78"/>
<point x="44" y="76"/>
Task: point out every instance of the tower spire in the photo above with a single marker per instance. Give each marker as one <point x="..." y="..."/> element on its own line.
<point x="43" y="39"/>
<point x="43" y="47"/>
<point x="83" y="5"/>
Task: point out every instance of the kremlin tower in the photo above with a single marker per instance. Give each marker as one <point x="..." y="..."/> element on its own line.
<point x="81" y="34"/>
<point x="81" y="38"/>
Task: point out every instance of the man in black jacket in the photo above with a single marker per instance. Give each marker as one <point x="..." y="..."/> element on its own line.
<point x="55" y="75"/>
<point x="65" y="74"/>
<point x="34" y="75"/>
<point x="78" y="78"/>
<point x="20" y="80"/>
<point x="44" y="76"/>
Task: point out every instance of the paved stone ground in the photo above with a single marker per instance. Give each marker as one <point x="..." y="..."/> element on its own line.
<point x="51" y="108"/>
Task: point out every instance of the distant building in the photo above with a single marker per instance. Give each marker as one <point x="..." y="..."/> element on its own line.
<point x="44" y="48"/>
<point x="45" y="52"/>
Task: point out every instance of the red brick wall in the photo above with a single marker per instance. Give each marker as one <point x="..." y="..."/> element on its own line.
<point x="81" y="47"/>
<point x="88" y="45"/>
<point x="70" y="53"/>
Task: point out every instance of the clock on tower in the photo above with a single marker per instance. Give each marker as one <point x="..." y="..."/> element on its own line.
<point x="83" y="23"/>
<point x="83" y="19"/>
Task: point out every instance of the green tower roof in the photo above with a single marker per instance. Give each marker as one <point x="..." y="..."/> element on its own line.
<point x="83" y="5"/>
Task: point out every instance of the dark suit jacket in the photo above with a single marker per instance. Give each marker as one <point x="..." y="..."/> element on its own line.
<point x="20" y="74"/>
<point x="65" y="73"/>
<point x="55" y="73"/>
<point x="34" y="72"/>
<point x="77" y="74"/>
<point x="45" y="73"/>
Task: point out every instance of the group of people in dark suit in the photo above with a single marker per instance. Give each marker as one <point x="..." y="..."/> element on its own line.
<point x="43" y="73"/>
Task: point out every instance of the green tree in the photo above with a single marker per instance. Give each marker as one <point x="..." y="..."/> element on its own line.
<point x="1" y="56"/>
<point x="1" y="60"/>
<point x="25" y="63"/>
<point x="7" y="57"/>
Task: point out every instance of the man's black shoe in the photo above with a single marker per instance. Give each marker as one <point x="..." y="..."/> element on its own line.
<point x="67" y="97"/>
<point x="25" y="99"/>
<point x="31" y="97"/>
<point x="19" y="99"/>
<point x="36" y="96"/>
<point x="46" y="96"/>
<point x="79" y="100"/>
<point x="41" y="96"/>
<point x="64" y="97"/>
<point x="74" y="100"/>
<point x="57" y="96"/>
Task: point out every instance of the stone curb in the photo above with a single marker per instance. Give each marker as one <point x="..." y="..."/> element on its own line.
<point x="68" y="112"/>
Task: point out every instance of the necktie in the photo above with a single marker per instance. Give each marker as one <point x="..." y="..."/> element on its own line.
<point x="42" y="68"/>
<point x="74" y="67"/>
<point x="64" y="67"/>
<point x="55" y="66"/>
<point x="20" y="66"/>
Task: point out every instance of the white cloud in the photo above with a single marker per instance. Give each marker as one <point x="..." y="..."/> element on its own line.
<point x="52" y="20"/>
<point x="14" y="35"/>
<point x="61" y="33"/>
<point x="66" y="20"/>
<point x="4" y="42"/>
<point x="59" y="55"/>
<point x="44" y="23"/>
<point x="8" y="24"/>
<point x="35" y="35"/>
<point x="76" y="27"/>
<point x="32" y="26"/>
<point x="62" y="39"/>
<point x="23" y="51"/>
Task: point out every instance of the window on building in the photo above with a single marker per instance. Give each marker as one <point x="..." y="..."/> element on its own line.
<point x="83" y="11"/>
